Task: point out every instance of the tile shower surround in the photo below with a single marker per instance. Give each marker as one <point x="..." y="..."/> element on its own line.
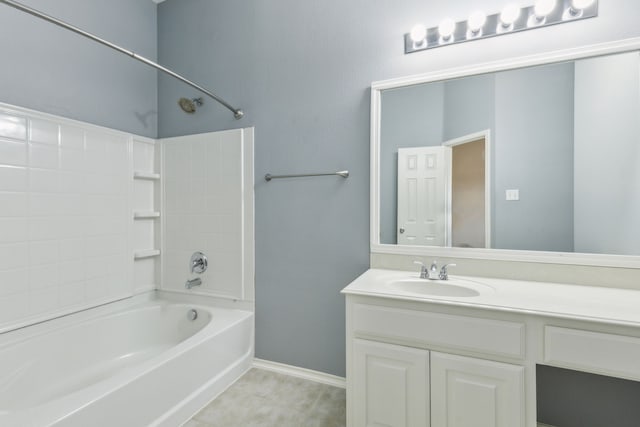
<point x="69" y="192"/>
<point x="65" y="216"/>
<point x="206" y="180"/>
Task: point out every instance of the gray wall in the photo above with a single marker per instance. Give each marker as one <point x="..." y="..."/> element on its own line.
<point x="49" y="69"/>
<point x="534" y="153"/>
<point x="411" y="117"/>
<point x="302" y="72"/>
<point x="469" y="106"/>
<point x="607" y="155"/>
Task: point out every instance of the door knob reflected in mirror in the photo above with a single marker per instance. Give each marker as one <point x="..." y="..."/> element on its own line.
<point x="401" y="230"/>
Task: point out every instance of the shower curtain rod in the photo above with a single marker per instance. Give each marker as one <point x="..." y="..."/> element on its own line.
<point x="237" y="113"/>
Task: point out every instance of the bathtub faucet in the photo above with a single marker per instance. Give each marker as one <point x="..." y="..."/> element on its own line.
<point x="198" y="263"/>
<point x="193" y="282"/>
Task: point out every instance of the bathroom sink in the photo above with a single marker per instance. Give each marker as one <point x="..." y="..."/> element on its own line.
<point x="439" y="288"/>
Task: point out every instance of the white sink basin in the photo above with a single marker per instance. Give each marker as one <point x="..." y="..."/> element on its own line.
<point x="439" y="288"/>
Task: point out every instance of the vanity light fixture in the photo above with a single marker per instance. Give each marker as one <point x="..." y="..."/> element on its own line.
<point x="576" y="8"/>
<point x="510" y="14"/>
<point x="475" y="23"/>
<point x="542" y="8"/>
<point x="581" y="4"/>
<point x="512" y="18"/>
<point x="508" y="17"/>
<point x="446" y="30"/>
<point x="419" y="35"/>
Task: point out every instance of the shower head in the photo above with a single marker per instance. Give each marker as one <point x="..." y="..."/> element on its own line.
<point x="190" y="105"/>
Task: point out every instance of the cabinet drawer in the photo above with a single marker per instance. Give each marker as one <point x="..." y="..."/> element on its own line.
<point x="495" y="337"/>
<point x="608" y="354"/>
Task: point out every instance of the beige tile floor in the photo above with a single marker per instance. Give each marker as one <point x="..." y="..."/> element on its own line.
<point x="268" y="399"/>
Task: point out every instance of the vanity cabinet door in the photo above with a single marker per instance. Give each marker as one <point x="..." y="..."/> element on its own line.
<point x="390" y="385"/>
<point x="467" y="392"/>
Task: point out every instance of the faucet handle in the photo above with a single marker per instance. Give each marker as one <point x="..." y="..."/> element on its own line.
<point x="198" y="263"/>
<point x="444" y="274"/>
<point x="423" y="269"/>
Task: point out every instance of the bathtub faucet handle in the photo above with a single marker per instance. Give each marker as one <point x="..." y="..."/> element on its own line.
<point x="198" y="263"/>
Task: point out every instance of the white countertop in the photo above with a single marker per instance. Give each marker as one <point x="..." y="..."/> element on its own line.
<point x="593" y="303"/>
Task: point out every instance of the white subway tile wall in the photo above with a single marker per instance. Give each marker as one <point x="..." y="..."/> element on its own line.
<point x="65" y="216"/>
<point x="203" y="211"/>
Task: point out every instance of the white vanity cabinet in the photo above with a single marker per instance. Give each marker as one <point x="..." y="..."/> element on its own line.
<point x="396" y="377"/>
<point x="400" y="386"/>
<point x="445" y="361"/>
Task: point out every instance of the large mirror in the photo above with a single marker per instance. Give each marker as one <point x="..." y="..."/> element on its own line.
<point x="539" y="158"/>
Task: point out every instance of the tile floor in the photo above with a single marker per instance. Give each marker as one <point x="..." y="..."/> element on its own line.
<point x="268" y="399"/>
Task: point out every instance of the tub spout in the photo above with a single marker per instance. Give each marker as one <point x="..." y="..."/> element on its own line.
<point x="193" y="282"/>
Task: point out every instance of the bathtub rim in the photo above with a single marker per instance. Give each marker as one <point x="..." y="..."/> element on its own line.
<point x="15" y="335"/>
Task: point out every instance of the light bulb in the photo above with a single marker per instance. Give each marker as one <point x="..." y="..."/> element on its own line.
<point x="576" y="8"/>
<point x="476" y="21"/>
<point x="510" y="14"/>
<point x="544" y="7"/>
<point x="446" y="28"/>
<point x="581" y="4"/>
<point x="418" y="33"/>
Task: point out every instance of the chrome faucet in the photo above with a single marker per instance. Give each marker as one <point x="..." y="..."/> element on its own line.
<point x="433" y="271"/>
<point x="444" y="273"/>
<point x="424" y="273"/>
<point x="198" y="265"/>
<point x="430" y="273"/>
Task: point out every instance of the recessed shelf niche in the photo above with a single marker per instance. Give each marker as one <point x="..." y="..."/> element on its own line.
<point x="146" y="210"/>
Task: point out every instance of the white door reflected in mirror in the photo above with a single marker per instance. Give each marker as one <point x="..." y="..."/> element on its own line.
<point x="442" y="197"/>
<point x="422" y="196"/>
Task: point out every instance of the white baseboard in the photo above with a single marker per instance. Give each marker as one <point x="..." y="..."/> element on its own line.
<point x="294" y="371"/>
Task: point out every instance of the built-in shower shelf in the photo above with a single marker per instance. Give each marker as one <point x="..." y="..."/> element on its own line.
<point x="148" y="253"/>
<point x="146" y="215"/>
<point x="146" y="175"/>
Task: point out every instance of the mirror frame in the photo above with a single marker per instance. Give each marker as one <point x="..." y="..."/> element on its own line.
<point x="571" y="258"/>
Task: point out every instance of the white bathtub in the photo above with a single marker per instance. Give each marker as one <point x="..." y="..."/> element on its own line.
<point x="139" y="362"/>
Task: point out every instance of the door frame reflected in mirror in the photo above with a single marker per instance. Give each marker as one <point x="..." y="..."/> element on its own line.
<point x="485" y="137"/>
<point x="435" y="198"/>
<point x="605" y="260"/>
